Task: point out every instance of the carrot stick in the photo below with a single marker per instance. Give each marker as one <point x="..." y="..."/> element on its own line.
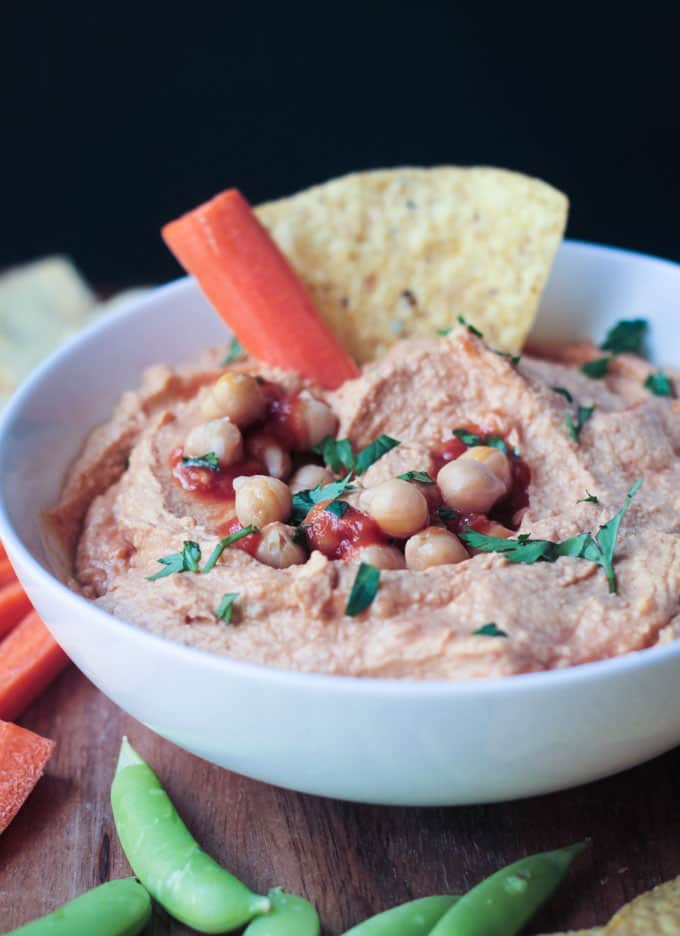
<point x="252" y="286"/>
<point x="7" y="574"/>
<point x="30" y="658"/>
<point x="23" y="756"/>
<point x="3" y="552"/>
<point x="14" y="605"/>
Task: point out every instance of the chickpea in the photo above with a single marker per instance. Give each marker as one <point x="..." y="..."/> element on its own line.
<point x="276" y="459"/>
<point x="494" y="459"/>
<point x="433" y="546"/>
<point x="261" y="500"/>
<point x="237" y="396"/>
<point x="278" y="548"/>
<point x="317" y="420"/>
<point x="469" y="485"/>
<point x="397" y="506"/>
<point x="382" y="557"/>
<point x="308" y="477"/>
<point x="219" y="436"/>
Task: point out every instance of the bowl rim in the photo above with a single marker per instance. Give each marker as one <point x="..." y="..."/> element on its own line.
<point x="407" y="688"/>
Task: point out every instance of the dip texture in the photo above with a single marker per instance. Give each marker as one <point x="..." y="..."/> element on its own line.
<point x="122" y="509"/>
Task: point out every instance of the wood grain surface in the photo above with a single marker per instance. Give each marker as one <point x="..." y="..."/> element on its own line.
<point x="350" y="860"/>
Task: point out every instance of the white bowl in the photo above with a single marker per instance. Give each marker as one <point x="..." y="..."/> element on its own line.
<point x="381" y="741"/>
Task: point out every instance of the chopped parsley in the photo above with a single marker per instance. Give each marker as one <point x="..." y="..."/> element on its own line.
<point x="493" y="441"/>
<point x="470" y="328"/>
<point x="659" y="384"/>
<point x="583" y="414"/>
<point x="210" y="461"/>
<point x="563" y="392"/>
<point x="364" y="589"/>
<point x="299" y="536"/>
<point x="589" y="499"/>
<point x="338" y="508"/>
<point x="626" y="336"/>
<point x="513" y="358"/>
<point x="489" y="630"/>
<point x="421" y="476"/>
<point x="235" y="352"/>
<point x="444" y="332"/>
<point x="303" y="501"/>
<point x="226" y="607"/>
<point x="369" y="455"/>
<point x="336" y="453"/>
<point x="185" y="561"/>
<point x="598" y="549"/>
<point x="597" y="369"/>
<point x="447" y="513"/>
<point x="225" y="544"/>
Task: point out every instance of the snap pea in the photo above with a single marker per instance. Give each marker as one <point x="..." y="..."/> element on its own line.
<point x="166" y="858"/>
<point x="119" y="908"/>
<point x="289" y="916"/>
<point x="502" y="903"/>
<point x="415" y="918"/>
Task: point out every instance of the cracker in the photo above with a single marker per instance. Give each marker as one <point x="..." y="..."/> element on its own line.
<point x="657" y="911"/>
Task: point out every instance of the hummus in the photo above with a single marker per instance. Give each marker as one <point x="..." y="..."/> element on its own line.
<point x="122" y="509"/>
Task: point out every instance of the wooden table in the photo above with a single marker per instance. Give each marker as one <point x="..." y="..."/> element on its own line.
<point x="350" y="860"/>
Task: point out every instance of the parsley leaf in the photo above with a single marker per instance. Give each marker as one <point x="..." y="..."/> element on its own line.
<point x="369" y="455"/>
<point x="447" y="513"/>
<point x="472" y="439"/>
<point x="364" y="589"/>
<point x="224" y="544"/>
<point x="589" y="499"/>
<point x="583" y="546"/>
<point x="226" y="606"/>
<point x="597" y="369"/>
<point x="626" y="335"/>
<point x="235" y="352"/>
<point x="210" y="460"/>
<point x="470" y="328"/>
<point x="336" y="453"/>
<point x="489" y="630"/>
<point x="659" y="384"/>
<point x="564" y="392"/>
<point x="583" y="414"/>
<point x="338" y="508"/>
<point x="303" y="501"/>
<point x="421" y="476"/>
<point x="513" y="358"/>
<point x="444" y="332"/>
<point x="185" y="561"/>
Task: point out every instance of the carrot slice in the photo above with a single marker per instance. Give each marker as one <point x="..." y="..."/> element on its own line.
<point x="14" y="605"/>
<point x="30" y="658"/>
<point x="23" y="756"/>
<point x="3" y="552"/>
<point x="252" y="286"/>
<point x="7" y="574"/>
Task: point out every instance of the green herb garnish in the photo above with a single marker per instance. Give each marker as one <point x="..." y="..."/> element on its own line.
<point x="513" y="358"/>
<point x="225" y="544"/>
<point x="659" y="384"/>
<point x="226" y="606"/>
<point x="470" y="328"/>
<point x="369" y="455"/>
<point x="472" y="439"/>
<point x="597" y="369"/>
<point x="210" y="461"/>
<point x="421" y="476"/>
<point x="338" y="508"/>
<point x="589" y="499"/>
<point x="583" y="414"/>
<point x="336" y="453"/>
<point x="185" y="561"/>
<point x="303" y="501"/>
<point x="364" y="589"/>
<point x="444" y="332"/>
<point x="564" y="392"/>
<point x="299" y="535"/>
<point x="447" y="513"/>
<point x="235" y="352"/>
<point x="627" y="335"/>
<point x="598" y="549"/>
<point x="489" y="630"/>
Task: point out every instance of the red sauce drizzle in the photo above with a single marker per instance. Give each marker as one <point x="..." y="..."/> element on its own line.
<point x="212" y="485"/>
<point x="285" y="420"/>
<point x="339" y="537"/>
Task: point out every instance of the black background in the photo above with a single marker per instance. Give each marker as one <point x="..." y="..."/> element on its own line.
<point x="117" y="117"/>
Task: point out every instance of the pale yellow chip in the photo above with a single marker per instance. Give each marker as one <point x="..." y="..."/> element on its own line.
<point x="403" y="252"/>
<point x="656" y="911"/>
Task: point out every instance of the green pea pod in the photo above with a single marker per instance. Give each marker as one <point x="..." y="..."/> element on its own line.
<point x="415" y="918"/>
<point x="290" y="916"/>
<point x="119" y="908"/>
<point x="501" y="904"/>
<point x="166" y="858"/>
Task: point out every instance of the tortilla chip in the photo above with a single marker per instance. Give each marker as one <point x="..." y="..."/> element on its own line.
<point x="403" y="252"/>
<point x="656" y="911"/>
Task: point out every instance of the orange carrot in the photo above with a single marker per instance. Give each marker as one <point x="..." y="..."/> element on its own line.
<point x="252" y="286"/>
<point x="7" y="574"/>
<point x="23" y="756"/>
<point x="3" y="552"/>
<point x="14" y="605"/>
<point x="30" y="658"/>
